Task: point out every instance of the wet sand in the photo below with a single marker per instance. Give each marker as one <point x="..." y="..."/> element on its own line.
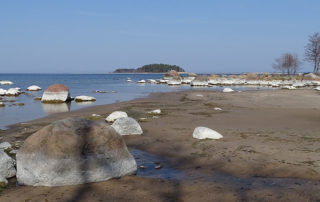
<point x="270" y="150"/>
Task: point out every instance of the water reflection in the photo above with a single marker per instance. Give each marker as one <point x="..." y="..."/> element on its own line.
<point x="85" y="103"/>
<point x="56" y="108"/>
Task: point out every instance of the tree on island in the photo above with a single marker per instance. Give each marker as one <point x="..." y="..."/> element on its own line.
<point x="152" y="68"/>
<point x="287" y="63"/>
<point x="312" y="51"/>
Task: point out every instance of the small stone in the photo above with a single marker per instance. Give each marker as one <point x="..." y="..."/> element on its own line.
<point x="227" y="90"/>
<point x="159" y="166"/>
<point x="156" y="111"/>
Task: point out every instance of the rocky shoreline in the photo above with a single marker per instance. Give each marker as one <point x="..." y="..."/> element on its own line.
<point x="266" y="135"/>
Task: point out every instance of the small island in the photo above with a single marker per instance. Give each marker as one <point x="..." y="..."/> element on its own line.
<point x="151" y="68"/>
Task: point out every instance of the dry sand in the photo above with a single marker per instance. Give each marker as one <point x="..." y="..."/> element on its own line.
<point x="270" y="150"/>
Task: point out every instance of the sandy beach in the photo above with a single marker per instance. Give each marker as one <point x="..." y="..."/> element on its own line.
<point x="269" y="152"/>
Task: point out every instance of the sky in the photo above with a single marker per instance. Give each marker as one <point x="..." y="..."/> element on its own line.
<point x="202" y="36"/>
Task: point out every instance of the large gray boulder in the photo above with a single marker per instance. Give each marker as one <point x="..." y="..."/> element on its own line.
<point x="7" y="168"/>
<point x="73" y="151"/>
<point x="127" y="126"/>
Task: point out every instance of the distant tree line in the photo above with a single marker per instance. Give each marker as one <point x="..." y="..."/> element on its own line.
<point x="152" y="68"/>
<point x="289" y="62"/>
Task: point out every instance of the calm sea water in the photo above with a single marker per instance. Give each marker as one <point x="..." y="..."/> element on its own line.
<point x="79" y="84"/>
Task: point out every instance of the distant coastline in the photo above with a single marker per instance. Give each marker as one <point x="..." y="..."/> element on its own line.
<point x="151" y="68"/>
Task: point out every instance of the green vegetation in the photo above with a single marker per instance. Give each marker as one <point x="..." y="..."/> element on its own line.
<point x="151" y="68"/>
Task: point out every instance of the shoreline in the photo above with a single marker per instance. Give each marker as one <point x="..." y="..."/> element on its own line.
<point x="271" y="134"/>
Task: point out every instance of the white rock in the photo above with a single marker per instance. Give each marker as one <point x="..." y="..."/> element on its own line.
<point x="7" y="168"/>
<point x="199" y="95"/>
<point x="163" y="81"/>
<point x="127" y="126"/>
<point x="5" y="145"/>
<point x="84" y="98"/>
<point x="289" y="87"/>
<point x="141" y="81"/>
<point x="95" y="115"/>
<point x="152" y="81"/>
<point x="116" y="115"/>
<point x="173" y="82"/>
<point x="6" y="82"/>
<point x="199" y="83"/>
<point x="227" y="90"/>
<point x="33" y="88"/>
<point x="205" y="133"/>
<point x="3" y="92"/>
<point x="156" y="111"/>
<point x="13" y="92"/>
<point x="217" y="109"/>
<point x="317" y="88"/>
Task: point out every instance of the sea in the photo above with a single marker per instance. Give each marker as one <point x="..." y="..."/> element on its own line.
<point x="79" y="84"/>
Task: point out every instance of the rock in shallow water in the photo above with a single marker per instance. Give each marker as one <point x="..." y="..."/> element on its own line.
<point x="73" y="151"/>
<point x="84" y="98"/>
<point x="206" y="133"/>
<point x="33" y="88"/>
<point x="56" y="93"/>
<point x="127" y="126"/>
<point x="6" y="82"/>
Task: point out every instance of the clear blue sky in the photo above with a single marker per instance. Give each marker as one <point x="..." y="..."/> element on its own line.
<point x="99" y="36"/>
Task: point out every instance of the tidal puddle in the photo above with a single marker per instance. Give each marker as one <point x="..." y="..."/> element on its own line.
<point x="148" y="166"/>
<point x="153" y="166"/>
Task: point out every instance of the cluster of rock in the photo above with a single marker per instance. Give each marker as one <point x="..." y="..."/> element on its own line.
<point x="174" y="78"/>
<point x="11" y="92"/>
<point x="123" y="124"/>
<point x="56" y="93"/>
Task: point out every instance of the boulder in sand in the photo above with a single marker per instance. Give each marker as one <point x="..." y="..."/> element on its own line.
<point x="56" y="93"/>
<point x="84" y="98"/>
<point x="7" y="168"/>
<point x="116" y="115"/>
<point x="73" y="151"/>
<point x="33" y="88"/>
<point x="205" y="133"/>
<point x="127" y="126"/>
